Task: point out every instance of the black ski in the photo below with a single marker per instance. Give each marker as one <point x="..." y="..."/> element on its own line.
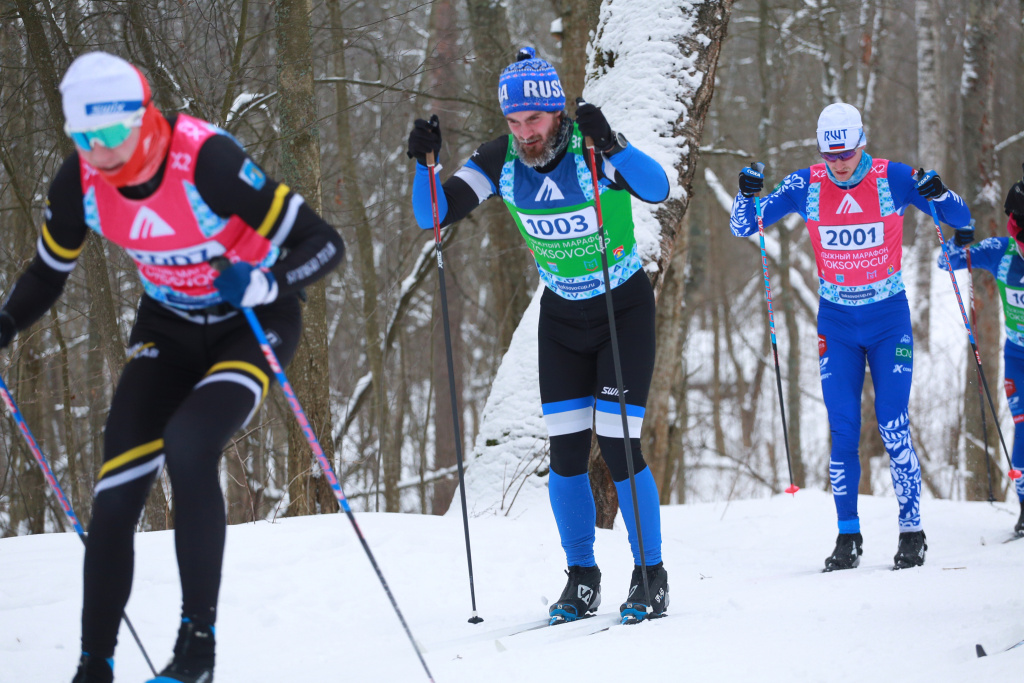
<point x="981" y="651"/>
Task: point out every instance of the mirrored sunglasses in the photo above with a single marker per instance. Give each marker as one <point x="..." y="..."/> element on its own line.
<point x="108" y="136"/>
<point x="838" y="156"/>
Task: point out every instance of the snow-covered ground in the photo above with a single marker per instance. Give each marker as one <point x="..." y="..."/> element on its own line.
<point x="301" y="603"/>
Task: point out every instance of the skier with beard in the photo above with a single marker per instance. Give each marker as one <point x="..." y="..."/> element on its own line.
<point x="173" y="192"/>
<point x="853" y="206"/>
<point x="1002" y="256"/>
<point x="541" y="173"/>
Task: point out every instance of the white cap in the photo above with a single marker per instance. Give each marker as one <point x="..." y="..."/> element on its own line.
<point x="840" y="128"/>
<point x="100" y="89"/>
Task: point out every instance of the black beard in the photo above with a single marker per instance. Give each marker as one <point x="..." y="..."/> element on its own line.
<point x="552" y="147"/>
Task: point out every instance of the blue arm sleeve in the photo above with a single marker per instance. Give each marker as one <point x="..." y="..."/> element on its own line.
<point x="986" y="254"/>
<point x="951" y="209"/>
<point x="644" y="175"/>
<point x="421" y="199"/>
<point x="790" y="197"/>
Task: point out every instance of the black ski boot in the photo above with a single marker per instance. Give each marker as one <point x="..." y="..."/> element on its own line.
<point x="94" y="670"/>
<point x="193" y="655"/>
<point x="849" y="548"/>
<point x="910" y="552"/>
<point x="638" y="606"/>
<point x="582" y="595"/>
<point x="1019" y="528"/>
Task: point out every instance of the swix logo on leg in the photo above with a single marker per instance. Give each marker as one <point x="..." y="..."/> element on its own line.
<point x="611" y="391"/>
<point x="148" y="223"/>
<point x="849" y="205"/>
<point x="549" y="191"/>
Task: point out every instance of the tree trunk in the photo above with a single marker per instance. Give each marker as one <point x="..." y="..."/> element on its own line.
<point x="579" y="21"/>
<point x="505" y="259"/>
<point x="444" y="83"/>
<point x="308" y="491"/>
<point x="983" y="195"/>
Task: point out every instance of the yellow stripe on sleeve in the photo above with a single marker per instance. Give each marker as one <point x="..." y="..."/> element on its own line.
<point x="134" y="454"/>
<point x="247" y="367"/>
<point x="51" y="244"/>
<point x="275" y="210"/>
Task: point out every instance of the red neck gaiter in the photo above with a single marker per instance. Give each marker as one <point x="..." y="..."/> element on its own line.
<point x="154" y="139"/>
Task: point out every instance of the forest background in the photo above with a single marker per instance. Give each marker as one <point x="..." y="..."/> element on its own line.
<point x="323" y="94"/>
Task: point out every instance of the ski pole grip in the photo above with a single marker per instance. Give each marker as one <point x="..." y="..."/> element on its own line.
<point x="588" y="142"/>
<point x="758" y="166"/>
<point x="430" y="159"/>
<point x="220" y="264"/>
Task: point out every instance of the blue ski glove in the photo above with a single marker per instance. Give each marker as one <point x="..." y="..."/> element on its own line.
<point x="941" y="261"/>
<point x="929" y="185"/>
<point x="751" y="182"/>
<point x="243" y="285"/>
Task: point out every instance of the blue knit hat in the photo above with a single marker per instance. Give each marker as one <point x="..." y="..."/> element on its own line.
<point x="530" y="84"/>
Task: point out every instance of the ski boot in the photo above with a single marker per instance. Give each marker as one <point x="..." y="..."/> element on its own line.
<point x="582" y="595"/>
<point x="94" y="670"/>
<point x="1019" y="527"/>
<point x="910" y="552"/>
<point x="849" y="548"/>
<point x="193" y="655"/>
<point x="636" y="607"/>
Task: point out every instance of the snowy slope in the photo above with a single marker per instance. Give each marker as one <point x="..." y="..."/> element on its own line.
<point x="301" y="603"/>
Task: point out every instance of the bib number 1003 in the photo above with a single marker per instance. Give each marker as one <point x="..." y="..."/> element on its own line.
<point x="559" y="226"/>
<point x="839" y="237"/>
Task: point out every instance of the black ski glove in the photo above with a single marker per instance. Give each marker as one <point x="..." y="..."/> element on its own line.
<point x="929" y="185"/>
<point x="7" y="329"/>
<point x="594" y="125"/>
<point x="963" y="236"/>
<point x="425" y="137"/>
<point x="1015" y="201"/>
<point x="751" y="181"/>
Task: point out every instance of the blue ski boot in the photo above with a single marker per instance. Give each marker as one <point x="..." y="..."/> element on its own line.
<point x="582" y="595"/>
<point x="94" y="670"/>
<point x="638" y="606"/>
<point x="193" y="655"/>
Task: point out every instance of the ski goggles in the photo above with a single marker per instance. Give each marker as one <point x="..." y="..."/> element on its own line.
<point x="109" y="136"/>
<point x="838" y="156"/>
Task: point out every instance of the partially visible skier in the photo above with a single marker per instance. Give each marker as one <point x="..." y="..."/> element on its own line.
<point x="853" y="205"/>
<point x="1002" y="256"/>
<point x="540" y="171"/>
<point x="174" y="192"/>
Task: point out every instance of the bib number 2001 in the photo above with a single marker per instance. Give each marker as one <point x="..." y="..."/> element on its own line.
<point x="864" y="236"/>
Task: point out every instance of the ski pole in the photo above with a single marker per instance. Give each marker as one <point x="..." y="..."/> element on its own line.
<point x="325" y="464"/>
<point x="981" y="400"/>
<point x="792" y="488"/>
<point x="474" y="619"/>
<point x="65" y="504"/>
<point x="1013" y="473"/>
<point x="616" y="362"/>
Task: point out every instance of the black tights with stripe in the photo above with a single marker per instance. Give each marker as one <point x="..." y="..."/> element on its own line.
<point x="190" y="383"/>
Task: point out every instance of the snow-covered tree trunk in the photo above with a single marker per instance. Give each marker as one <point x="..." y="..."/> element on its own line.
<point x="652" y="72"/>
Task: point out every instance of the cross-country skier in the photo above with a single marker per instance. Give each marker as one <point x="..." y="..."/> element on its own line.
<point x="174" y="192"/>
<point x="1002" y="256"/>
<point x="540" y="171"/>
<point x="853" y="206"/>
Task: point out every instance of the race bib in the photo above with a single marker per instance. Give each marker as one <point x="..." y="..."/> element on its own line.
<point x="852" y="237"/>
<point x="1015" y="297"/>
<point x="560" y="226"/>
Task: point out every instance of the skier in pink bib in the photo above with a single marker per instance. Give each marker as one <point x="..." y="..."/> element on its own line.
<point x="173" y="192"/>
<point x="853" y="206"/>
